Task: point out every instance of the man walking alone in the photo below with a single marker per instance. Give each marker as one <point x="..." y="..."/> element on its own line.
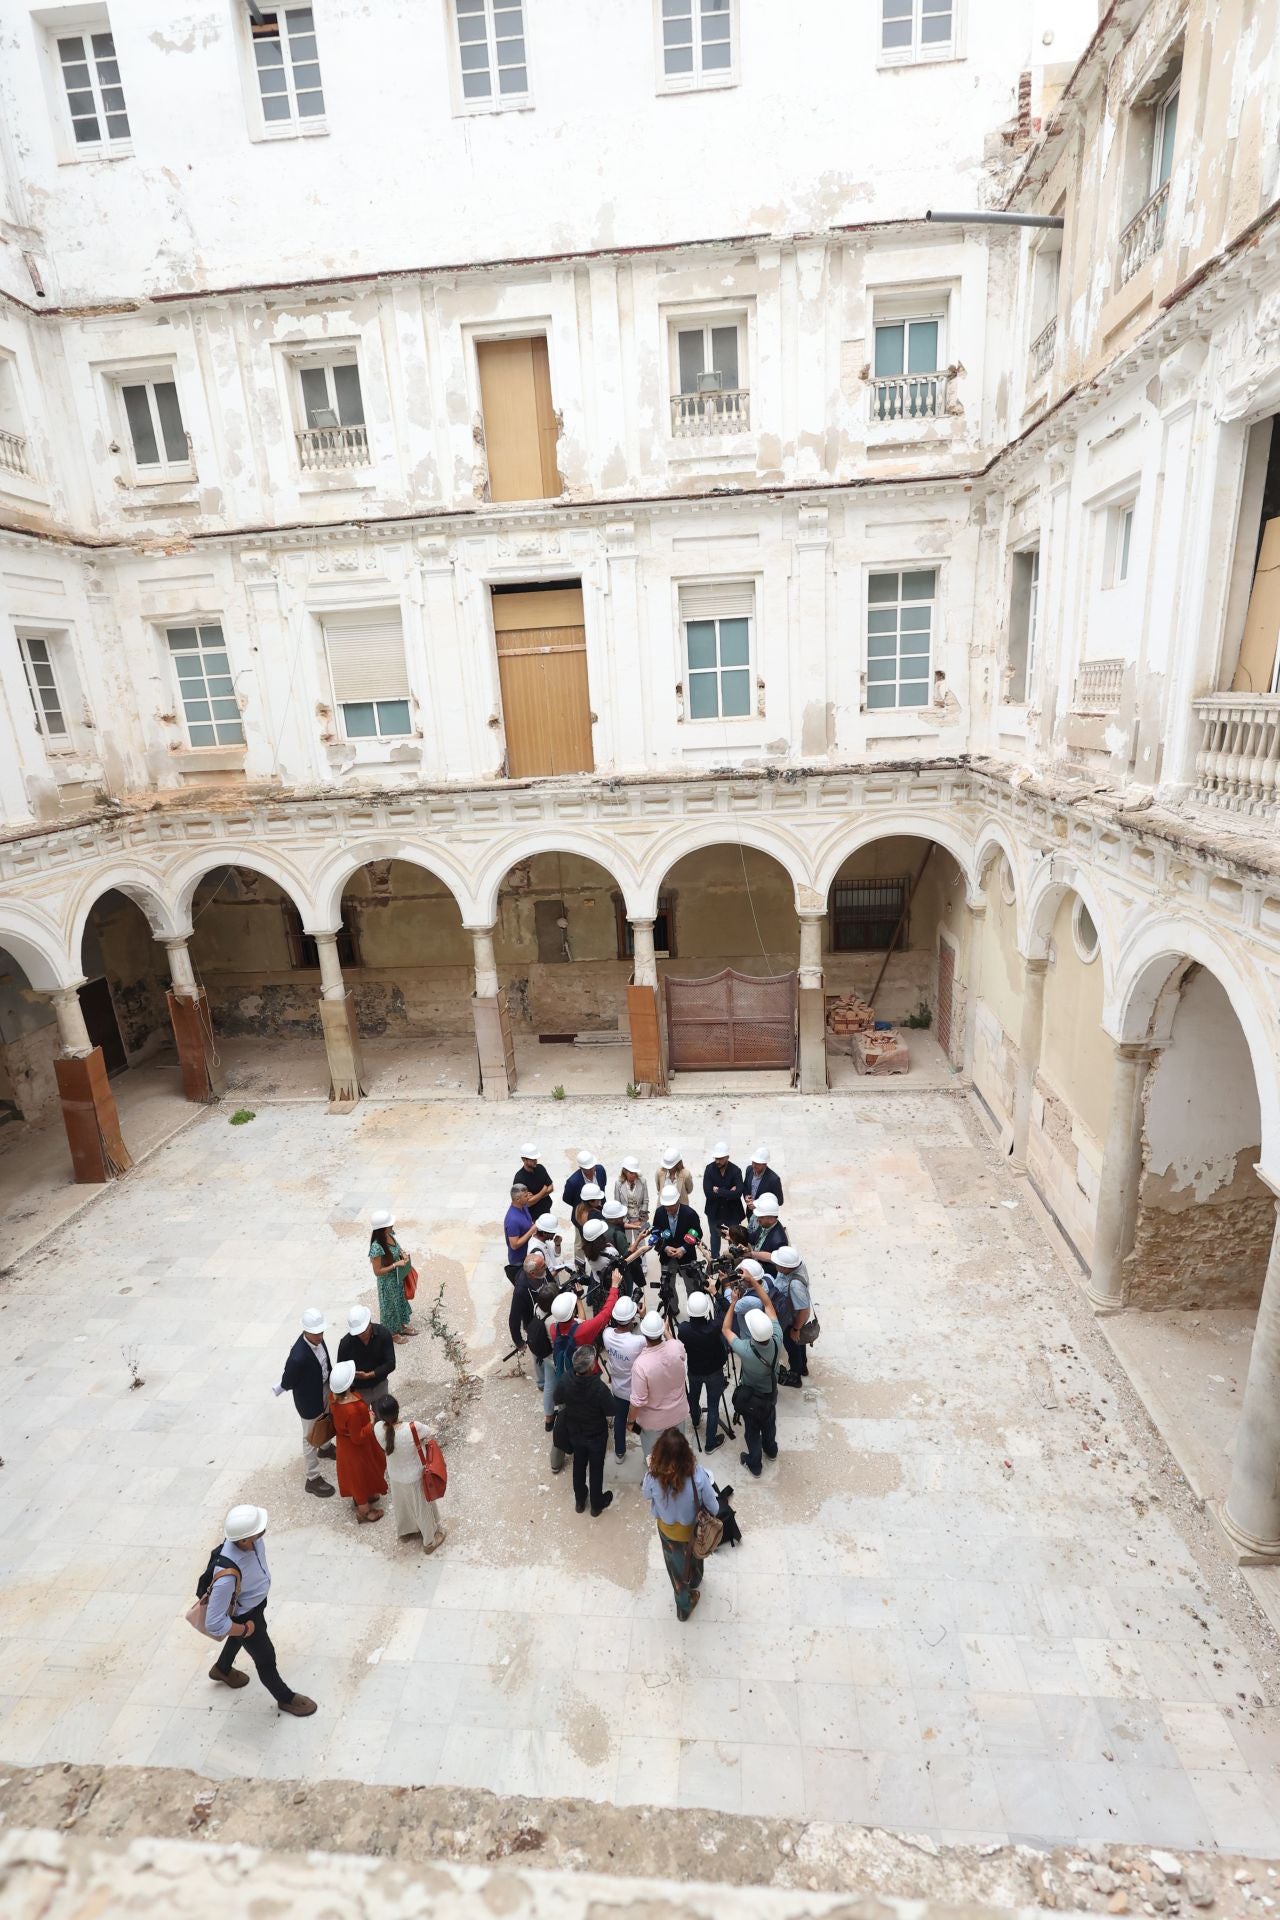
<point x="237" y="1607"/>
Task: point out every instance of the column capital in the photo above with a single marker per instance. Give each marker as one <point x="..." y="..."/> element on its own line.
<point x="811" y="913"/>
<point x="1036" y="963"/>
<point x="69" y="1014"/>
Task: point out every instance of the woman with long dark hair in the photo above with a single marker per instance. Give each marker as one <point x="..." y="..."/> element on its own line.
<point x="400" y="1440"/>
<point x="391" y="1266"/>
<point x="675" y="1487"/>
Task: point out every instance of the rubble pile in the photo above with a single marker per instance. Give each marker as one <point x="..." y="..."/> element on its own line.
<point x="880" y="1053"/>
<point x="847" y="1014"/>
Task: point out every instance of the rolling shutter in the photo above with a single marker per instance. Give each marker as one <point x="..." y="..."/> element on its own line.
<point x="366" y="655"/>
<point x="718" y="600"/>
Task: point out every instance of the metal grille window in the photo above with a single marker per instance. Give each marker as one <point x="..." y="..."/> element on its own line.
<point x="209" y="703"/>
<point x="697" y="40"/>
<point x="42" y="685"/>
<point x="900" y="609"/>
<point x="717" y="634"/>
<point x="304" y="955"/>
<point x="917" y="29"/>
<point x="664" y="928"/>
<point x="155" y="424"/>
<point x="865" y="914"/>
<point x="95" y="98"/>
<point x="491" y="50"/>
<point x="288" y="65"/>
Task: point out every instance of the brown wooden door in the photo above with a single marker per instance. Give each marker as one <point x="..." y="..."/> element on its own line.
<point x="520" y="430"/>
<point x="542" y="672"/>
<point x="946" y="984"/>
<point x="731" y="1020"/>
<point x="104" y="1028"/>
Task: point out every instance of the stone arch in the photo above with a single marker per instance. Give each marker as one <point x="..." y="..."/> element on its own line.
<point x="333" y="877"/>
<point x="489" y="880"/>
<point x="1051" y="881"/>
<point x="1149" y="973"/>
<point x="842" y="844"/>
<point x="186" y="874"/>
<point x="722" y="831"/>
<point x="993" y="838"/>
<point x="30" y="936"/>
<point x="143" y="885"/>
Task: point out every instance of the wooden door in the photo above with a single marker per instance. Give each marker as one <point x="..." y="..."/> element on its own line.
<point x="542" y="672"/>
<point x="946" y="985"/>
<point x="730" y="1020"/>
<point x="520" y="430"/>
<point x="104" y="1028"/>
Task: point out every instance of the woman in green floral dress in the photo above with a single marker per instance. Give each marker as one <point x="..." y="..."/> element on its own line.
<point x="390" y="1265"/>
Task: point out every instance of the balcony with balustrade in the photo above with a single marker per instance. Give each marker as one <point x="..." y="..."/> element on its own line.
<point x="1095" y="702"/>
<point x="1238" y="764"/>
<point x="13" y="453"/>
<point x="1143" y="238"/>
<point x="332" y="449"/>
<point x="1041" y="352"/>
<point x="907" y="398"/>
<point x="718" y="410"/>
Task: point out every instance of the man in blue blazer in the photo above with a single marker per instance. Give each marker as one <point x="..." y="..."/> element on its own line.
<point x="306" y="1377"/>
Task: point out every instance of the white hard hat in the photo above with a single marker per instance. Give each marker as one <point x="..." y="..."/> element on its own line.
<point x="669" y="1197"/>
<point x="631" y="1164"/>
<point x="244" y="1522"/>
<point x="342" y="1376"/>
<point x="625" y="1311"/>
<point x="528" y="1151"/>
<point x="594" y="1230"/>
<point x="547" y="1224"/>
<point x="382" y="1217"/>
<point x="751" y="1267"/>
<point x="313" y="1321"/>
<point x="699" y="1306"/>
<point x="358" y="1319"/>
<point x="787" y="1257"/>
<point x="767" y="1203"/>
<point x="562" y="1307"/>
<point x="670" y="1158"/>
<point x="586" y="1159"/>
<point x="614" y="1210"/>
<point x="591" y="1191"/>
<point x="759" y="1326"/>
<point x="759" y="1156"/>
<point x="720" y="1151"/>
<point x="652" y="1326"/>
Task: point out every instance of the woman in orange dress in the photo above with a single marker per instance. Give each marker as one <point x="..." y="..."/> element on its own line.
<point x="362" y="1465"/>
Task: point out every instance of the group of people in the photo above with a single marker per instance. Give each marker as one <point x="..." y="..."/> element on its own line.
<point x="609" y="1364"/>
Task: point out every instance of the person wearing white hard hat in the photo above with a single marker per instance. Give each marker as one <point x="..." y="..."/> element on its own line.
<point x="759" y="1178"/>
<point x="590" y="1207"/>
<point x="704" y="1350"/>
<point x="517" y="1232"/>
<point x="362" y="1465"/>
<point x="672" y="1172"/>
<point x="583" y="1406"/>
<point x="237" y="1610"/>
<point x="306" y="1377"/>
<point x="587" y="1169"/>
<point x="600" y="1258"/>
<point x="750" y="1275"/>
<point x="793" y="1302"/>
<point x="659" y="1396"/>
<point x="533" y="1176"/>
<point x="548" y="1236"/>
<point x="621" y="1344"/>
<point x="372" y="1350"/>
<point x="766" y="1232"/>
<point x="393" y="1271"/>
<point x="676" y="1233"/>
<point x="614" y="1215"/>
<point x="721" y="1193"/>
<point x="632" y="1190"/>
<point x="759" y="1354"/>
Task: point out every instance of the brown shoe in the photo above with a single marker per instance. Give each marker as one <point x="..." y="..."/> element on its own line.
<point x="299" y="1705"/>
<point x="231" y="1679"/>
<point x="328" y="1453"/>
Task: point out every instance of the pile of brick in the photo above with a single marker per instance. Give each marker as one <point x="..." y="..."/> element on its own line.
<point x="881" y="1053"/>
<point x="847" y="1014"/>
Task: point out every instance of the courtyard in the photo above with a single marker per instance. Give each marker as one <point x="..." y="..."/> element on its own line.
<point x="973" y="1599"/>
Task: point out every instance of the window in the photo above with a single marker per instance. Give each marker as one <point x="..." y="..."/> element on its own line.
<point x="899" y="637"/>
<point x="717" y="636"/>
<point x="154" y="419"/>
<point x="906" y="383"/>
<point x="664" y="928"/>
<point x="334" y="432"/>
<point x="1024" y="615"/>
<point x="710" y="393"/>
<point x="304" y="956"/>
<point x="209" y="704"/>
<point x="42" y="684"/>
<point x="917" y="29"/>
<point x="370" y="678"/>
<point x="866" y="915"/>
<point x="288" y="67"/>
<point x="15" y="454"/>
<point x="697" y="43"/>
<point x="91" y="77"/>
<point x="491" y="53"/>
<point x="1119" y="544"/>
<point x="1166" y="131"/>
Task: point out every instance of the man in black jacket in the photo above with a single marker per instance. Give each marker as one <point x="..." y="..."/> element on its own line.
<point x="766" y="1232"/>
<point x="704" y="1348"/>
<point x="589" y="1171"/>
<point x="306" y="1377"/>
<point x="532" y="1174"/>
<point x="585" y="1406"/>
<point x="760" y="1178"/>
<point x="373" y="1350"/>
<point x="722" y="1192"/>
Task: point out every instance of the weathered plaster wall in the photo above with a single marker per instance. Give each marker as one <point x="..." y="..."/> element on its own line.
<point x="118" y="945"/>
<point x="1071" y="1104"/>
<point x="997" y="977"/>
<point x="1205" y="1220"/>
<point x="28" y="1044"/>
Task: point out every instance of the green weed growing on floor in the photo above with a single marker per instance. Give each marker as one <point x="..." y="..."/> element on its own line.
<point x="241" y="1117"/>
<point x="922" y="1017"/>
<point x="557" y="1093"/>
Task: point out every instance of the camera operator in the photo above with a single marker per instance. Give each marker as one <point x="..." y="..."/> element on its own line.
<point x="621" y="1344"/>
<point x="722" y="1193"/>
<point x="614" y="1215"/>
<point x="756" y="1395"/>
<point x="548" y="1237"/>
<point x="601" y="1262"/>
<point x="749" y="1275"/>
<point x="766" y="1232"/>
<point x="789" y="1291"/>
<point x="540" y="1331"/>
<point x="704" y="1348"/>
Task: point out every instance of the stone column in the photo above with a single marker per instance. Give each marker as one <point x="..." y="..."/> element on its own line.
<point x="1121" y="1179"/>
<point x="812" y="1005"/>
<point x="644" y="1013"/>
<point x="1030" y="1033"/>
<point x="339" y="1026"/>
<point x="644" y="968"/>
<point x="495" y="1046"/>
<point x="202" y="1076"/>
<point x="72" y="1031"/>
<point x="181" y="972"/>
<point x="1251" y="1516"/>
<point x="98" y="1152"/>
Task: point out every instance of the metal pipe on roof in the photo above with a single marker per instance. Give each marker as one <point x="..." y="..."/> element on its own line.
<point x="998" y="219"/>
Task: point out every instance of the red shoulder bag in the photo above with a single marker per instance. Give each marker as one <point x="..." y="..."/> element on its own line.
<point x="435" y="1475"/>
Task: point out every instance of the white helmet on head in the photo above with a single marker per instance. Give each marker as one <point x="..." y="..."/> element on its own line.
<point x="759" y="1325"/>
<point x="767" y="1203"/>
<point x="358" y="1319"/>
<point x="760" y="1156"/>
<point x="669" y="1197"/>
<point x="594" y="1230"/>
<point x="652" y="1326"/>
<point x="563" y="1307"/>
<point x="720" y="1151"/>
<point x="586" y="1161"/>
<point x="590" y="1191"/>
<point x="528" y="1151"/>
<point x="787" y="1257"/>
<point x="313" y="1320"/>
<point x="670" y="1158"/>
<point x="699" y="1306"/>
<point x="381" y="1217"/>
<point x="245" y="1522"/>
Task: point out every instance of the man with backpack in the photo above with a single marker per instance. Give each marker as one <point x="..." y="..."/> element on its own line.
<point x="788" y="1286"/>
<point x="235" y="1585"/>
<point x="756" y="1395"/>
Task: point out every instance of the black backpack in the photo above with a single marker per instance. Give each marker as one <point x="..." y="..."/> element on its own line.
<point x="216" y="1559"/>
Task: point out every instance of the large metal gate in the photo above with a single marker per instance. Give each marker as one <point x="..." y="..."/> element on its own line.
<point x="731" y="1020"/>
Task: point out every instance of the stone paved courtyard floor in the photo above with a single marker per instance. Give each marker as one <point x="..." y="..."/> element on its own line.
<point x="972" y="1599"/>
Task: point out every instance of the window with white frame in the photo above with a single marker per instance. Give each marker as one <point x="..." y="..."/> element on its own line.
<point x="917" y="29"/>
<point x="716" y="618"/>
<point x="47" y="702"/>
<point x="900" y="616"/>
<point x="205" y="687"/>
<point x="493" y="60"/>
<point x="709" y="384"/>
<point x="154" y="420"/>
<point x="907" y="379"/>
<point x="90" y="75"/>
<point x="697" y="43"/>
<point x="1118" y="544"/>
<point x="333" y="432"/>
<point x="287" y="63"/>
<point x="1024" y="618"/>
<point x="1166" y="133"/>
<point x="370" y="678"/>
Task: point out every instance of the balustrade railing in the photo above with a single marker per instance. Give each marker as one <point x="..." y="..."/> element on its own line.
<point x="1144" y="234"/>
<point x="1041" y="352"/>
<point x="726" y="410"/>
<point x="1238" y="765"/>
<point x="321" y="449"/>
<point x="908" y="396"/>
<point x="1098" y="684"/>
<point x="13" y="452"/>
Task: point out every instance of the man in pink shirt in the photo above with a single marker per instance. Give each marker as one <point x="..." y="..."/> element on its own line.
<point x="659" y="1393"/>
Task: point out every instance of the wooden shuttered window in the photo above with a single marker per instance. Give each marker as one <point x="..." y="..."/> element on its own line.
<point x="520" y="429"/>
<point x="370" y="678"/>
<point x="718" y="600"/>
<point x="716" y="617"/>
<point x="542" y="673"/>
